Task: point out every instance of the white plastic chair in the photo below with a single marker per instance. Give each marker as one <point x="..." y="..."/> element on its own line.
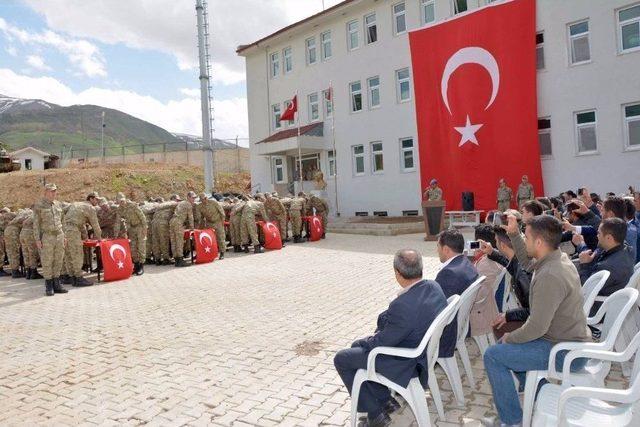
<point x="636" y="267"/>
<point x="484" y="341"/>
<point x="591" y="406"/>
<point x="413" y="393"/>
<point x="450" y="364"/>
<point x="614" y="310"/>
<point x="592" y="287"/>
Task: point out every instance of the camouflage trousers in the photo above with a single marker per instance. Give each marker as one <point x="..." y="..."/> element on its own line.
<point x="12" y="244"/>
<point x="221" y="238"/>
<point x="52" y="255"/>
<point x="137" y="236"/>
<point x="504" y="205"/>
<point x="160" y="240"/>
<point x="2" y="250"/>
<point x="73" y="252"/>
<point x="281" y="220"/>
<point x="324" y="218"/>
<point x="296" y="222"/>
<point x="29" y="248"/>
<point x="176" y="231"/>
<point x="149" y="241"/>
<point x="234" y="229"/>
<point x="248" y="230"/>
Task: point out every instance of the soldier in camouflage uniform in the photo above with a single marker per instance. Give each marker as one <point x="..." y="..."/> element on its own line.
<point x="49" y="237"/>
<point x="12" y="241"/>
<point x="29" y="249"/>
<point x="525" y="191"/>
<point x="322" y="210"/>
<point x="433" y="192"/>
<point x="249" y="231"/>
<point x="210" y="213"/>
<point x="276" y="211"/>
<point x="296" y="210"/>
<point x="77" y="216"/>
<point x="136" y="223"/>
<point x="286" y="202"/>
<point x="505" y="194"/>
<point x="235" y="224"/>
<point x="149" y="209"/>
<point x="5" y="217"/>
<point x="160" y="235"/>
<point x="107" y="216"/>
<point x="182" y="216"/>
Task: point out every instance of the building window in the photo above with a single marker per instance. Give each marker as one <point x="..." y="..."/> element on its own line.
<point x="278" y="170"/>
<point x="275" y="64"/>
<point x="403" y="85"/>
<point x="540" y="51"/>
<point x="399" y="18"/>
<point x="427" y="11"/>
<point x="27" y="164"/>
<point x="332" y="163"/>
<point x="377" y="161"/>
<point x="544" y="136"/>
<point x="353" y="35"/>
<point x="358" y="160"/>
<point x="373" y="84"/>
<point x="287" y="103"/>
<point x="407" y="155"/>
<point x="325" y="41"/>
<point x="311" y="51"/>
<point x="355" y="89"/>
<point x="632" y="125"/>
<point x="629" y="28"/>
<point x="459" y="6"/>
<point x="371" y="28"/>
<point x="586" y="132"/>
<point x="314" y="107"/>
<point x="328" y="103"/>
<point x="288" y="60"/>
<point x="275" y="114"/>
<point x="579" y="42"/>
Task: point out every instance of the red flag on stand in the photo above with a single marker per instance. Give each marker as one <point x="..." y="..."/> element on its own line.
<point x="476" y="107"/>
<point x="289" y="113"/>
<point x="315" y="228"/>
<point x="206" y="245"/>
<point x="116" y="259"/>
<point x="272" y="239"/>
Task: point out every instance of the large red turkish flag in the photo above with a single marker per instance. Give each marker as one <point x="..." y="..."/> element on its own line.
<point x="116" y="259"/>
<point x="476" y="105"/>
<point x="206" y="245"/>
<point x="271" y="233"/>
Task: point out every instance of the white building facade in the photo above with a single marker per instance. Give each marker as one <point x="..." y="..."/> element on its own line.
<point x="588" y="100"/>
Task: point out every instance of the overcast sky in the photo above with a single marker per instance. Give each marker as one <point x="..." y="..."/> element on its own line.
<point x="138" y="56"/>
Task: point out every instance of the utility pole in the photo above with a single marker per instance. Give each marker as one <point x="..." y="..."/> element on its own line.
<point x="205" y="94"/>
<point x="102" y="139"/>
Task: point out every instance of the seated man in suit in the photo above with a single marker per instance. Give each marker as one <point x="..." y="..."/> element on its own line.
<point x="403" y="324"/>
<point x="456" y="275"/>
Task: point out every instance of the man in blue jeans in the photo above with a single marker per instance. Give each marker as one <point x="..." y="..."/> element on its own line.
<point x="555" y="304"/>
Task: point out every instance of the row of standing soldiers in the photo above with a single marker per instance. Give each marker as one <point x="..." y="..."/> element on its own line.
<point x="52" y="232"/>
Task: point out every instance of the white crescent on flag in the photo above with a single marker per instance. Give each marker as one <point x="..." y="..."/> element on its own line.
<point x="115" y="248"/>
<point x="316" y="223"/>
<point x="272" y="228"/>
<point x="205" y="235"/>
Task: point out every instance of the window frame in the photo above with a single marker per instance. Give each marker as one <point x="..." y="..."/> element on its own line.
<point x="577" y="128"/>
<point x="454" y="7"/>
<point x="323" y="43"/>
<point x="280" y="167"/>
<point x="351" y="48"/>
<point x="395" y="15"/>
<point x="366" y="27"/>
<point x="620" y="24"/>
<point x="310" y="105"/>
<point x="547" y="131"/>
<point x="626" y="120"/>
<point x="331" y="160"/>
<point x="403" y="150"/>
<point x="354" y="158"/>
<point x="571" y="38"/>
<point x="308" y="48"/>
<point x="276" y="123"/>
<point x="272" y="72"/>
<point x="423" y="16"/>
<point x="285" y="58"/>
<point x="373" y="153"/>
<point x="352" y="94"/>
<point x="540" y="46"/>
<point x="370" y="95"/>
<point x="399" y="82"/>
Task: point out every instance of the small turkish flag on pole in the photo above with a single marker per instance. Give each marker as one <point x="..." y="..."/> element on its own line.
<point x="476" y="106"/>
<point x="291" y="110"/>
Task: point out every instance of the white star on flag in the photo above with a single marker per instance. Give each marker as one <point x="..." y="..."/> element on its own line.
<point x="207" y="249"/>
<point x="468" y="133"/>
<point x="120" y="265"/>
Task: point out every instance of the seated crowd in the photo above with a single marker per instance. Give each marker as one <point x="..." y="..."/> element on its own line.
<point x="545" y="252"/>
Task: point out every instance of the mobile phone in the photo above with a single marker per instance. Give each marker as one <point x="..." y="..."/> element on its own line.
<point x="474" y="245"/>
<point x="500" y="219"/>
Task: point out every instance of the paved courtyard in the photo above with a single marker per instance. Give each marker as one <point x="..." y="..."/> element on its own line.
<point x="246" y="341"/>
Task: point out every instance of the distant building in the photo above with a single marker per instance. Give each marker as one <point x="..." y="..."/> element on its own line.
<point x="34" y="159"/>
<point x="588" y="60"/>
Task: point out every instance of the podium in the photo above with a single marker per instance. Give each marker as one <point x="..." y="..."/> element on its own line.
<point x="433" y="213"/>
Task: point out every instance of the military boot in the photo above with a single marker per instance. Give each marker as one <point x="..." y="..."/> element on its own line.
<point x="3" y="273"/>
<point x="15" y="274"/>
<point x="57" y="286"/>
<point x="257" y="249"/>
<point x="221" y="255"/>
<point x="167" y="262"/>
<point x="27" y="275"/>
<point x="149" y="261"/>
<point x="158" y="261"/>
<point x="246" y="249"/>
<point x="136" y="268"/>
<point x="48" y="286"/>
<point x="140" y="270"/>
<point x="80" y="282"/>
<point x="180" y="263"/>
<point x="296" y="239"/>
<point x="35" y="275"/>
<point x="236" y="248"/>
<point x="324" y="236"/>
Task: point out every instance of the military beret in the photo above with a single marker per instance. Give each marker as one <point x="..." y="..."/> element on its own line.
<point x="50" y="187"/>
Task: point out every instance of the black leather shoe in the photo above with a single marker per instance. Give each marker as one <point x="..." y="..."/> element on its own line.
<point x="324" y="236"/>
<point x="246" y="249"/>
<point x="81" y="282"/>
<point x="180" y="263"/>
<point x="15" y="274"/>
<point x="257" y="249"/>
<point x="140" y="271"/>
<point x="57" y="287"/>
<point x="48" y="286"/>
<point x="27" y="274"/>
<point x="167" y="262"/>
<point x="159" y="262"/>
<point x="35" y="275"/>
<point x="66" y="279"/>
<point x="221" y="255"/>
<point x="149" y="261"/>
<point x="3" y="273"/>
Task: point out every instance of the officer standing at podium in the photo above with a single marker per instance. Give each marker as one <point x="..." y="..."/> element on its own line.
<point x="433" y="192"/>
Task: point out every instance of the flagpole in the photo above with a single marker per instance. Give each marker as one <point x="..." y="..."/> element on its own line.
<point x="335" y="152"/>
<point x="299" y="147"/>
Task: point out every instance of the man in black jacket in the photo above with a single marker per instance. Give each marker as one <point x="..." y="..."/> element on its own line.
<point x="403" y="324"/>
<point x="613" y="255"/>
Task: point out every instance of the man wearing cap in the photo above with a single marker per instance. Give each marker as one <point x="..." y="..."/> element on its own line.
<point x="136" y="224"/>
<point x="505" y="194"/>
<point x="12" y="241"/>
<point x="49" y="237"/>
<point x="182" y="216"/>
<point x="248" y="229"/>
<point x="525" y="191"/>
<point x="433" y="192"/>
<point x="322" y="209"/>
<point x="296" y="211"/>
<point x="76" y="218"/>
<point x="29" y="249"/>
<point x="235" y="224"/>
<point x="276" y="211"/>
<point x="209" y="213"/>
<point x="160" y="233"/>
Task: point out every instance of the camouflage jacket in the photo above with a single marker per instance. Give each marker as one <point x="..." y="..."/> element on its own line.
<point x="47" y="218"/>
<point x="255" y="209"/>
<point x="209" y="212"/>
<point x="164" y="212"/>
<point x="184" y="213"/>
<point x="274" y="207"/>
<point x="298" y="204"/>
<point x="81" y="213"/>
<point x="132" y="215"/>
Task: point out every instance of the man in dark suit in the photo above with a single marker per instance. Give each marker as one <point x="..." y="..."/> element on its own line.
<point x="403" y="324"/>
<point x="456" y="275"/>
